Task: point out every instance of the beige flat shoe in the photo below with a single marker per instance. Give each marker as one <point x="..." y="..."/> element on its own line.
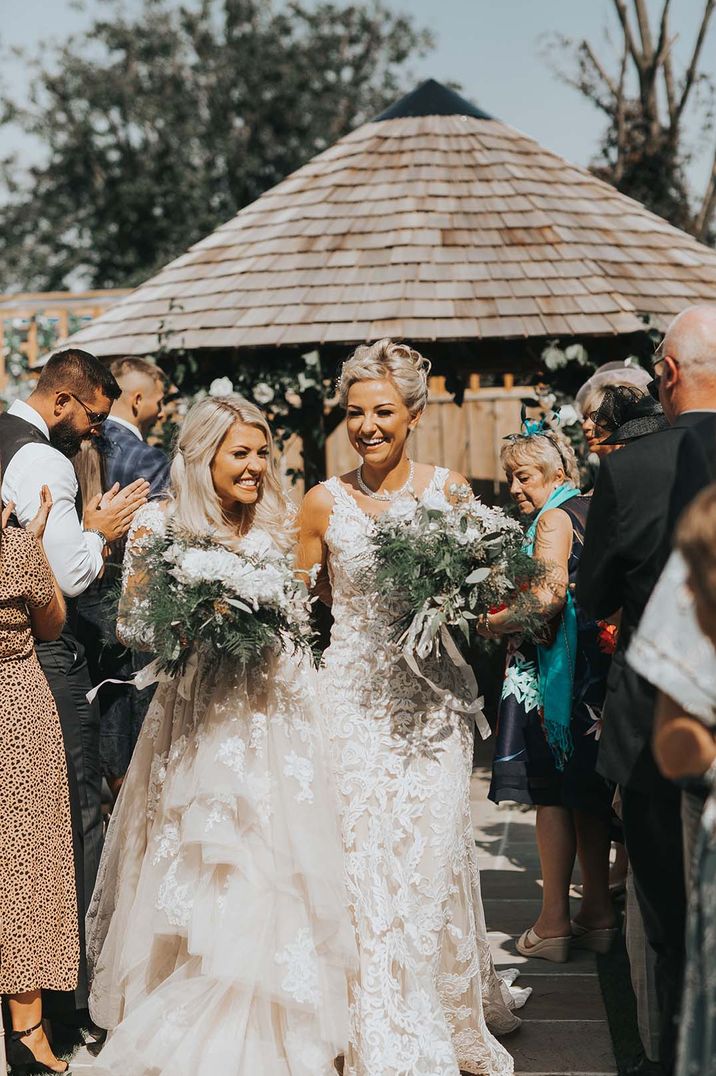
<point x="597" y="941"/>
<point x="554" y="949"/>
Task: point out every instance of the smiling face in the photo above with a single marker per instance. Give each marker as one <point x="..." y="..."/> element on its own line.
<point x="239" y="466"/>
<point x="529" y="488"/>
<point x="378" y="422"/>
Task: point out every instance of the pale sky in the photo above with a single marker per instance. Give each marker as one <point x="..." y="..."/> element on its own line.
<point x="491" y="47"/>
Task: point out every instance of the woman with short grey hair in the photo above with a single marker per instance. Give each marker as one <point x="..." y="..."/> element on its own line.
<point x="550" y="711"/>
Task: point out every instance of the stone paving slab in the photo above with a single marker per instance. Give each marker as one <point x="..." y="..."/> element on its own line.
<point x="574" y="1046"/>
<point x="548" y="997"/>
<point x="564" y="1031"/>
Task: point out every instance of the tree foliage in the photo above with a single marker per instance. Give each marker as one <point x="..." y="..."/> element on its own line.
<point x="159" y="126"/>
<point x="644" y="98"/>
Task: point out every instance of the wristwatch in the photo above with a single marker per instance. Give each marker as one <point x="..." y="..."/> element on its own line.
<point x="98" y="533"/>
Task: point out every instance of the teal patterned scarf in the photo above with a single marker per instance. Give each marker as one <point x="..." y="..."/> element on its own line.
<point x="555" y="662"/>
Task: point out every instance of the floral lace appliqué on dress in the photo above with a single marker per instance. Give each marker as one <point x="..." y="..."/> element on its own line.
<point x="218" y="935"/>
<point x="426" y="987"/>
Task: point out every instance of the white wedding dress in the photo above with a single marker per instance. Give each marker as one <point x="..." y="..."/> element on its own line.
<point x="218" y="936"/>
<point x="426" y="989"/>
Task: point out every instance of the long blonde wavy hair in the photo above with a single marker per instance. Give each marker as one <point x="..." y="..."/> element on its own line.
<point x="195" y="508"/>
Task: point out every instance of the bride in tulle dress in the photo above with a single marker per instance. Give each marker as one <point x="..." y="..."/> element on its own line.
<point x="426" y="998"/>
<point x="218" y="936"/>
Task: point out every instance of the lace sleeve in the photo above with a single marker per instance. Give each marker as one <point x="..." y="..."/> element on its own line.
<point x="149" y="522"/>
<point x="670" y="650"/>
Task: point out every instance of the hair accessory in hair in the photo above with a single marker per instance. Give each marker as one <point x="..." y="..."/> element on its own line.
<point x="535" y="427"/>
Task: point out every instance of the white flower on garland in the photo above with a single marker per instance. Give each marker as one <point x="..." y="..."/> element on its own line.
<point x="262" y="393"/>
<point x="568" y="415"/>
<point x="221" y="386"/>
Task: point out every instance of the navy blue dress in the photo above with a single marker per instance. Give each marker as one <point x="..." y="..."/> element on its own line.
<point x="524" y="769"/>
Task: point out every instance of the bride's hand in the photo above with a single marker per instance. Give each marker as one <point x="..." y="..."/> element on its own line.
<point x="37" y="525"/>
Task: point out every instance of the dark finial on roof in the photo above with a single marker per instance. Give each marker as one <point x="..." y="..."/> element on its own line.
<point x="431" y="98"/>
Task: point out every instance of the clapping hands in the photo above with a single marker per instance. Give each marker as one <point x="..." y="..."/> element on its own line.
<point x="111" y="513"/>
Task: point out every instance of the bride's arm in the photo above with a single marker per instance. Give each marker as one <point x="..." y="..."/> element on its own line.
<point x="313" y="522"/>
<point x="149" y="522"/>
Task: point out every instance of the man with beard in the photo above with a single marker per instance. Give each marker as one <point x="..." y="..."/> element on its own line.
<point x="72" y="399"/>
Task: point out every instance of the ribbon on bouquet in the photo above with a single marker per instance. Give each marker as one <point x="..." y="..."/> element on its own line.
<point x="153" y="674"/>
<point x="415" y="647"/>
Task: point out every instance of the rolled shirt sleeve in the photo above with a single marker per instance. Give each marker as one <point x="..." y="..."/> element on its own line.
<point x="74" y="556"/>
<point x="670" y="650"/>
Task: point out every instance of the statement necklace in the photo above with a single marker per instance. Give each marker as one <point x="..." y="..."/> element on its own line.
<point x="385" y="496"/>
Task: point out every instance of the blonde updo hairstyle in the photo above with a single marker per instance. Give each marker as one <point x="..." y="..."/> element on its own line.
<point x="387" y="361"/>
<point x="547" y="451"/>
<point x="195" y="508"/>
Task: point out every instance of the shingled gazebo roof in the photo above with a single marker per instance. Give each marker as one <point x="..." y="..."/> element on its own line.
<point x="434" y="222"/>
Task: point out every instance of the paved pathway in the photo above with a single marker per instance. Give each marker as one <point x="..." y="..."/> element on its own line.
<point x="565" y="1031"/>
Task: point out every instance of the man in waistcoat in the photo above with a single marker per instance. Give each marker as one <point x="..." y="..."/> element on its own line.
<point x="71" y="402"/>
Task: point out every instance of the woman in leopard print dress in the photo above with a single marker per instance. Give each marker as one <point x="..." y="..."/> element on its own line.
<point x="39" y="942"/>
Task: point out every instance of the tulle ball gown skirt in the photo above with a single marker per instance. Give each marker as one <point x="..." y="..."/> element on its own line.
<point x="218" y="934"/>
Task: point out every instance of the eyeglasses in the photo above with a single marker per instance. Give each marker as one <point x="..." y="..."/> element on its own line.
<point x="96" y="418"/>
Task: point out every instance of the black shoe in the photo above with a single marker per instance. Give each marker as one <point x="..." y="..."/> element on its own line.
<point x="21" y="1059"/>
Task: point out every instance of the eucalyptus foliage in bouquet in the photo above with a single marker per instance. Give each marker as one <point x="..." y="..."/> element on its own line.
<point x="201" y="596"/>
<point x="446" y="567"/>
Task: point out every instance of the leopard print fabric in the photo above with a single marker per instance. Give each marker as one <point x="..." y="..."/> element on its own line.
<point x="39" y="941"/>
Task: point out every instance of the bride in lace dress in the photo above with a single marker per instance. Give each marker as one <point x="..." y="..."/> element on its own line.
<point x="218" y="937"/>
<point x="426" y="990"/>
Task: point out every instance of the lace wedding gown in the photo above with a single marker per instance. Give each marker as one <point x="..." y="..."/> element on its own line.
<point x="426" y="989"/>
<point x="217" y="936"/>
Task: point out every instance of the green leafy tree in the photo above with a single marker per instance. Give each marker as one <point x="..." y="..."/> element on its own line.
<point x="159" y="126"/>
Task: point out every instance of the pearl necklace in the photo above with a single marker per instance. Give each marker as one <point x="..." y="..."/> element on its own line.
<point x="385" y="496"/>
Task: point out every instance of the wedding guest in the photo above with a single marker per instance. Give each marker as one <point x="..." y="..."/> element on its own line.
<point x="591" y="395"/>
<point x="70" y="403"/>
<point x="685" y="750"/>
<point x="39" y="930"/>
<point x="626" y="414"/>
<point x="121" y="455"/>
<point x="674" y="654"/>
<point x="639" y="495"/>
<point x="401" y="743"/>
<point x="134" y="414"/>
<point x="550" y="714"/>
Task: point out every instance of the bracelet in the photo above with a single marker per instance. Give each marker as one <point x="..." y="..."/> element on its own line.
<point x="98" y="533"/>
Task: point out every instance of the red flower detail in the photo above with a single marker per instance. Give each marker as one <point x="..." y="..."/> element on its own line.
<point x="607" y="637"/>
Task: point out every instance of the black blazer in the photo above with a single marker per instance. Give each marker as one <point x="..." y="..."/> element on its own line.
<point x="640" y="493"/>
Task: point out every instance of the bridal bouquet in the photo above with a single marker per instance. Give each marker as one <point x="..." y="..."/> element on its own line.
<point x="446" y="567"/>
<point x="236" y="604"/>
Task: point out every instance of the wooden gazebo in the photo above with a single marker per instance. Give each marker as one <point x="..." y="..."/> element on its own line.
<point x="435" y="223"/>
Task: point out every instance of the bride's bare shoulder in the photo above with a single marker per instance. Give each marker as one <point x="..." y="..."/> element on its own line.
<point x="317" y="504"/>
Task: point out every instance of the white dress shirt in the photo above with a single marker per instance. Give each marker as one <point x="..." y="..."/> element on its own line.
<point x="75" y="556"/>
<point x="127" y="425"/>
